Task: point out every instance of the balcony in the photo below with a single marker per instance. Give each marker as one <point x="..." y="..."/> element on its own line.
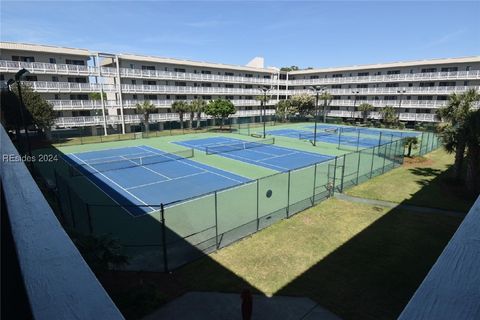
<point x="46" y="68"/>
<point x="404" y="116"/>
<point x="162" y="89"/>
<point x="67" y="87"/>
<point x="68" y="122"/>
<point x="426" y="104"/>
<point x="56" y="280"/>
<point x="393" y="91"/>
<point x="435" y="76"/>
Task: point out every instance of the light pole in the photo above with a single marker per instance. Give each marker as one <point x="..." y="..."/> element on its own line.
<point x="18" y="77"/>
<point x="355" y="93"/>
<point x="317" y="90"/>
<point x="401" y="92"/>
<point x="264" y="111"/>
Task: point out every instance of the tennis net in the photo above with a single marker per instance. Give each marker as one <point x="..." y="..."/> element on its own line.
<point x="222" y="148"/>
<point x="347" y="129"/>
<point x="92" y="167"/>
<point x="322" y="133"/>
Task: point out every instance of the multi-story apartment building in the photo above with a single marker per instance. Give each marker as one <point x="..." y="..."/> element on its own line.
<point x="68" y="77"/>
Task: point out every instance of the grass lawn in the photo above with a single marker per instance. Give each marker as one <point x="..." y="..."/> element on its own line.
<point x="359" y="261"/>
<point x="424" y="183"/>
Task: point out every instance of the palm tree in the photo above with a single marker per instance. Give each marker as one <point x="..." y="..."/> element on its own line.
<point x="283" y="109"/>
<point x="146" y="108"/>
<point x="389" y="115"/>
<point x="365" y="108"/>
<point x="473" y="152"/>
<point x="410" y="142"/>
<point x="453" y="130"/>
<point x="197" y="106"/>
<point x="180" y="107"/>
<point x="327" y="99"/>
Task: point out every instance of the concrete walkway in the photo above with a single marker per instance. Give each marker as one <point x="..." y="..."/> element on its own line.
<point x="388" y="204"/>
<point x="227" y="306"/>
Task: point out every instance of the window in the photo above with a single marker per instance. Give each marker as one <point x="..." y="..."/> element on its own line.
<point x="132" y="66"/>
<point x="447" y="84"/>
<point x="337" y="75"/>
<point x="230" y="97"/>
<point x="390" y="98"/>
<point x="248" y="75"/>
<point x="248" y="86"/>
<point x="314" y="77"/>
<point x="468" y="68"/>
<point x="79" y="97"/>
<point x="465" y="83"/>
<point x="361" y="97"/>
<point x="266" y="77"/>
<point x="391" y="85"/>
<point x="206" y="85"/>
<point x="52" y="60"/>
<point x="135" y="97"/>
<point x="134" y="82"/>
<point x="75" y="62"/>
<point x="442" y="98"/>
<point x="22" y="58"/>
<point x="180" y="84"/>
<point x="55" y="79"/>
<point x="426" y="84"/>
<point x="449" y="69"/>
<point x="181" y="70"/>
<point x="150" y="82"/>
<point x="362" y="86"/>
<point x="207" y="97"/>
<point x="393" y="72"/>
<point x="77" y="80"/>
<point x="57" y="97"/>
<point x="148" y="68"/>
<point x="363" y="74"/>
<point x="31" y="78"/>
<point x="150" y="97"/>
<point x="229" y="74"/>
<point x="206" y="72"/>
<point x="428" y="70"/>
<point x="336" y="86"/>
<point x="423" y="98"/>
<point x="229" y="86"/>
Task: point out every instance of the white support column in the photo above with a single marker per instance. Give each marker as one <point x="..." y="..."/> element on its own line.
<point x="119" y="91"/>
<point x="101" y="96"/>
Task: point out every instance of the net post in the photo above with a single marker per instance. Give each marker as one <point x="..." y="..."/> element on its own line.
<point x="334" y="177"/>
<point x="258" y="204"/>
<point x="288" y="194"/>
<point x="373" y="160"/>
<point x="89" y="218"/>
<point x="164" y="241"/>
<point x="314" y="183"/>
<point x="216" y="222"/>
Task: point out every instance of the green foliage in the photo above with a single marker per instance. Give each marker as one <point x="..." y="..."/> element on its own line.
<point x="284" y="109"/>
<point x="365" y="108"/>
<point x="180" y="107"/>
<point x="389" y="116"/>
<point x="97" y="96"/>
<point x="410" y="143"/>
<point x="220" y="108"/>
<point x="472" y="137"/>
<point x="146" y="108"/>
<point x="304" y="103"/>
<point x="102" y="253"/>
<point x="288" y="69"/>
<point x="197" y="106"/>
<point x="40" y="111"/>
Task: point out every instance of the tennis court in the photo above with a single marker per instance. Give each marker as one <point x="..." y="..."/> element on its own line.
<point x="262" y="153"/>
<point x="140" y="177"/>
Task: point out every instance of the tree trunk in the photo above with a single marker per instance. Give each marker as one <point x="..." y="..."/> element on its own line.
<point x="180" y="115"/>
<point x="147" y="127"/>
<point x="473" y="170"/>
<point x="221" y="124"/>
<point x="199" y="116"/>
<point x="459" y="156"/>
<point x="409" y="149"/>
<point x="192" y="115"/>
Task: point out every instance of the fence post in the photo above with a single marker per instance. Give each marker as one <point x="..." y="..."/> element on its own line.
<point x="314" y="183"/>
<point x="358" y="165"/>
<point x="258" y="208"/>
<point x="71" y="207"/>
<point x="164" y="241"/>
<point x="343" y="173"/>
<point x="216" y="222"/>
<point x="334" y="176"/>
<point x="384" y="158"/>
<point x="426" y="146"/>
<point x="339" y="137"/>
<point x="380" y="138"/>
<point x="89" y="217"/>
<point x="358" y="139"/>
<point x="373" y="160"/>
<point x="288" y="194"/>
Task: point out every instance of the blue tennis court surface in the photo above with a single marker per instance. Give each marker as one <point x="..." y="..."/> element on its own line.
<point x="141" y="176"/>
<point x="368" y="131"/>
<point x="265" y="155"/>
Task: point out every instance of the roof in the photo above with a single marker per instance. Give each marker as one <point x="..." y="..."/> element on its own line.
<point x="472" y="59"/>
<point x="43" y="48"/>
<point x="204" y="64"/>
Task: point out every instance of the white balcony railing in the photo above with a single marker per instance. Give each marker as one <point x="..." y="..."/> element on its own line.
<point x="97" y="104"/>
<point x="403" y="116"/>
<point x="137" y="118"/>
<point x="426" y="104"/>
<point x="434" y="76"/>
<point x="67" y="87"/>
<point x="46" y="68"/>
<point x="392" y="91"/>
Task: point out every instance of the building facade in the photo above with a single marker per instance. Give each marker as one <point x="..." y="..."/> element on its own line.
<point x="100" y="91"/>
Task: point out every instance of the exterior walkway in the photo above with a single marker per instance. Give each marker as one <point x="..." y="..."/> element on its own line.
<point x="227" y="306"/>
<point x="388" y="204"/>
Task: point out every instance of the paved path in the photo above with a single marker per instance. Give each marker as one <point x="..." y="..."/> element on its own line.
<point x="388" y="204"/>
<point x="227" y="306"/>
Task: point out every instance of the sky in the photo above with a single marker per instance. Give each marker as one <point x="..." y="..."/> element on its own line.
<point x="285" y="33"/>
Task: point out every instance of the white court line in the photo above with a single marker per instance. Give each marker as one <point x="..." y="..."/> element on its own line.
<point x="280" y="156"/>
<point x="122" y="155"/>
<point x="115" y="183"/>
<point x="158" y="182"/>
<point x="144" y="167"/>
<point x="250" y="160"/>
<point x="194" y="166"/>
